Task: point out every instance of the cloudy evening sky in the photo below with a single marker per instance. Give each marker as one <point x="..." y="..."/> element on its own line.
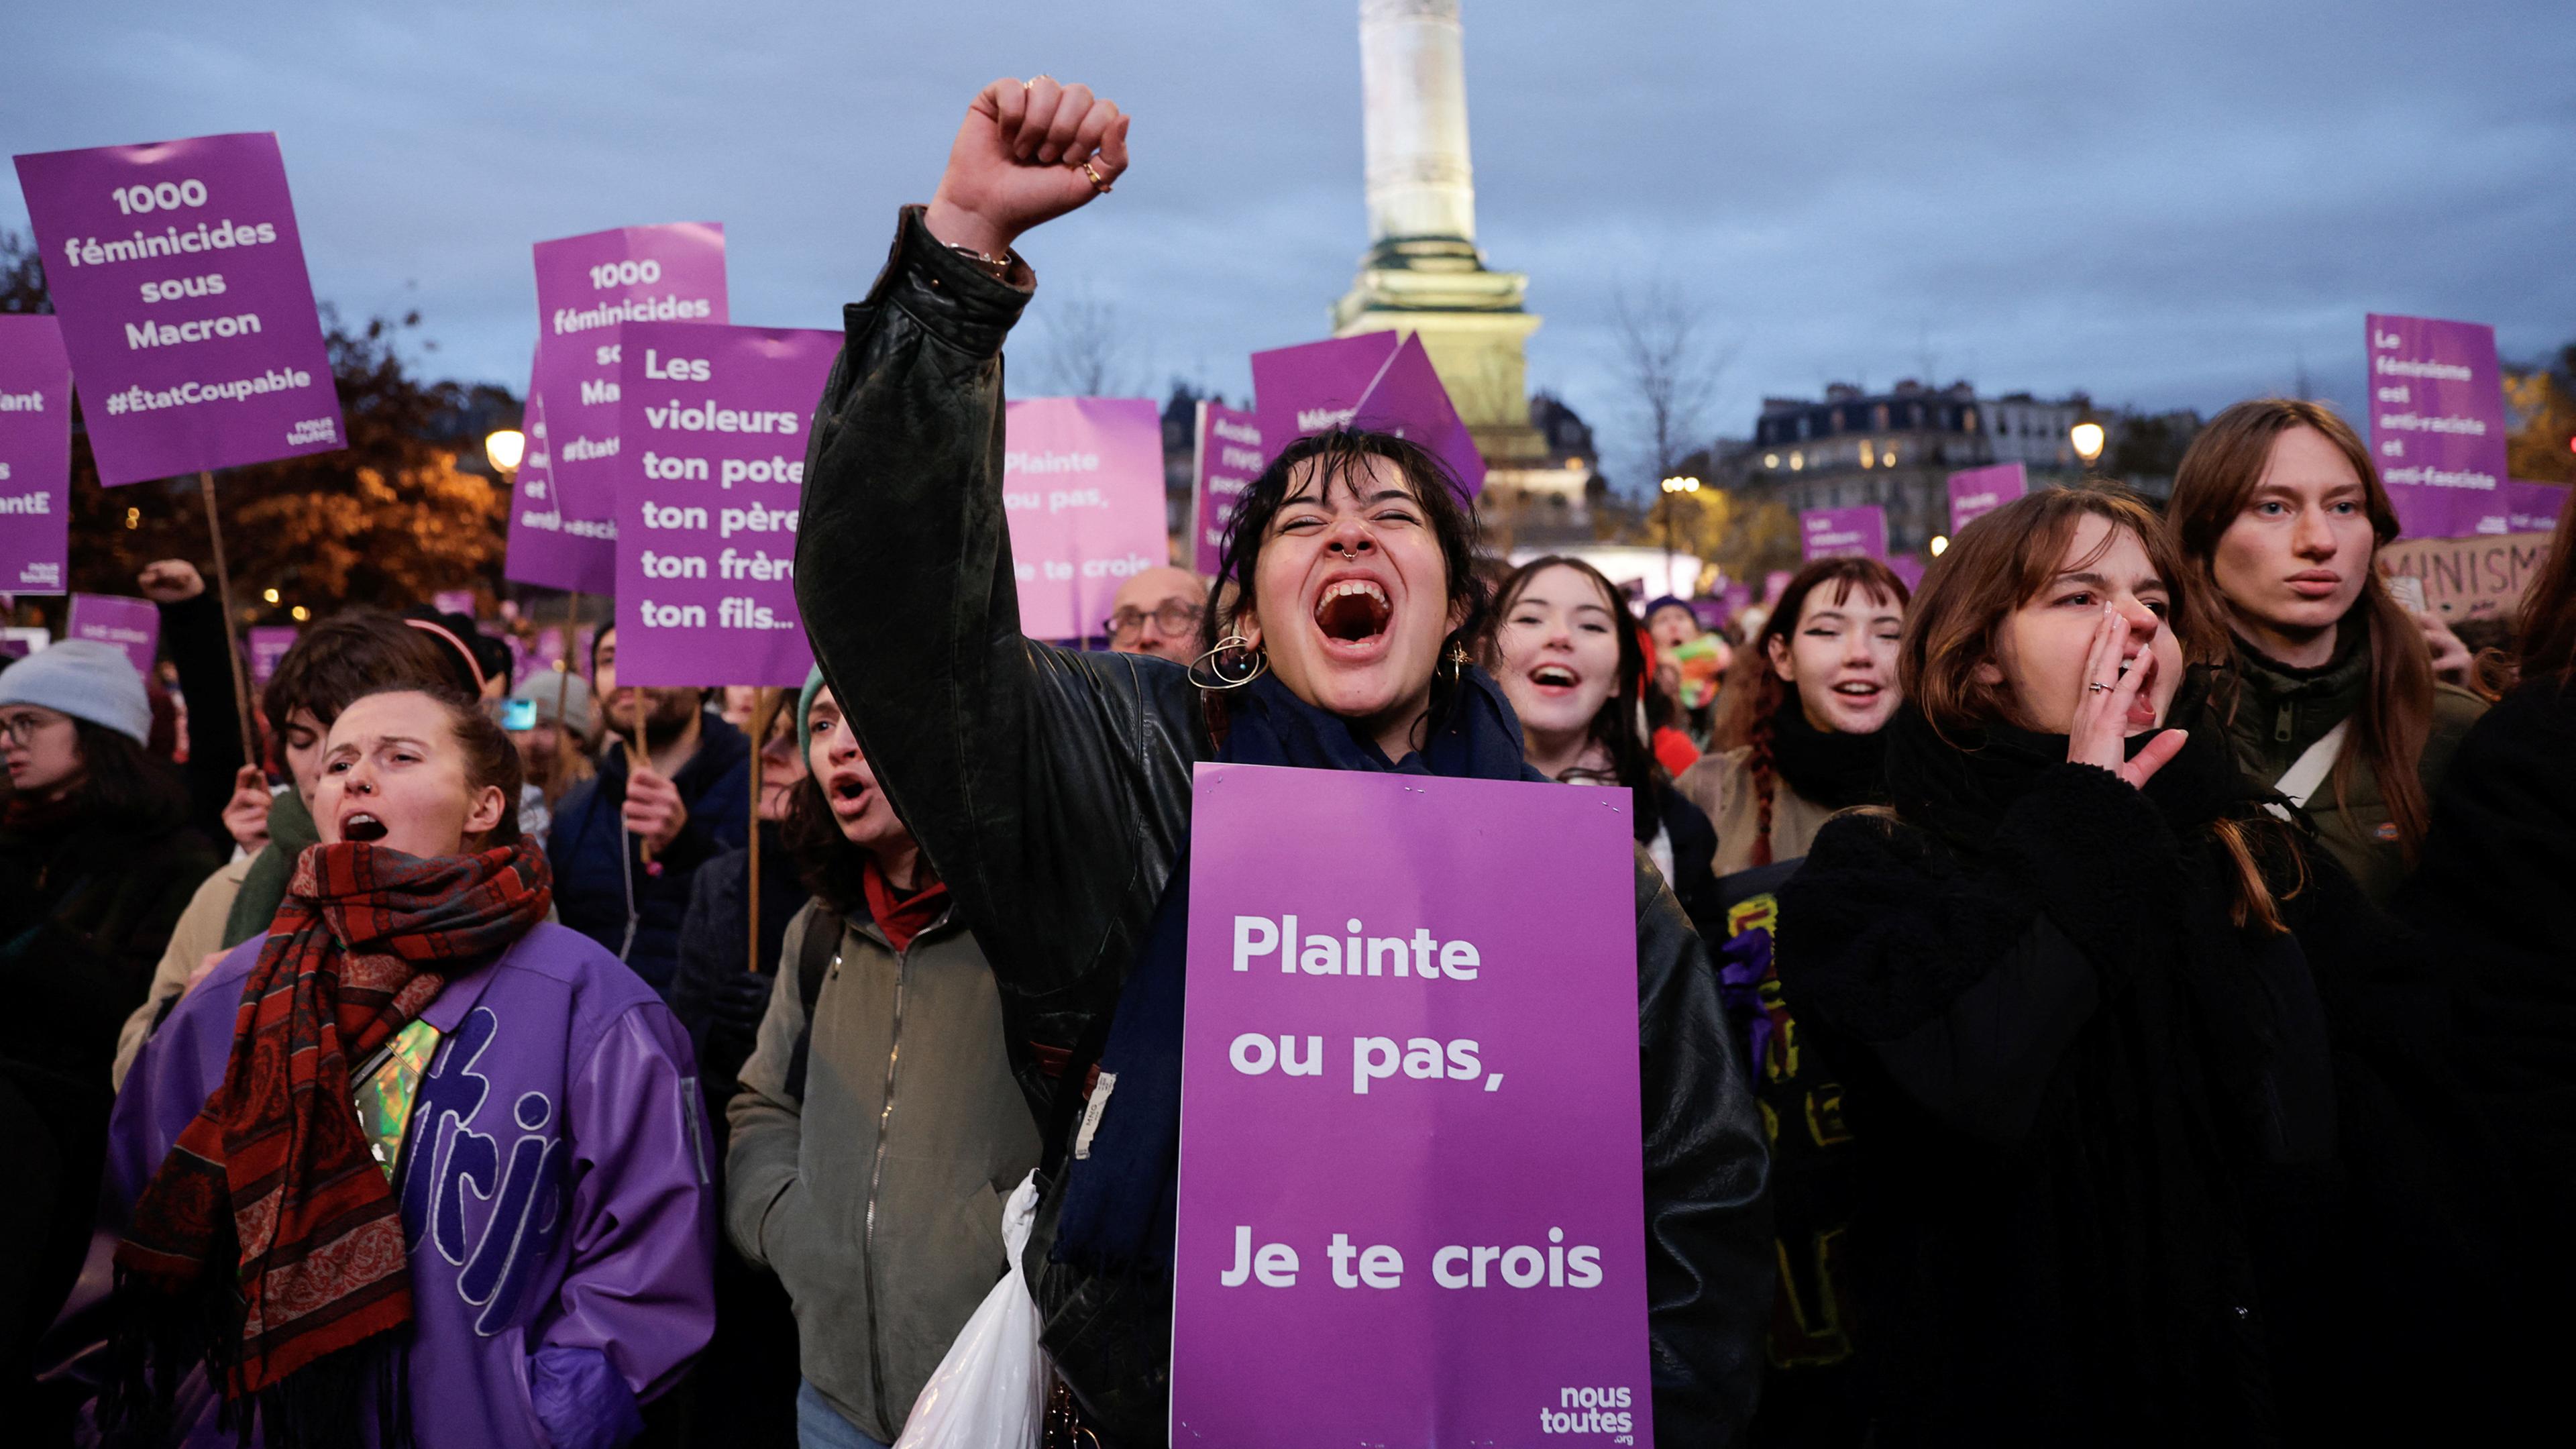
<point x="2167" y="204"/>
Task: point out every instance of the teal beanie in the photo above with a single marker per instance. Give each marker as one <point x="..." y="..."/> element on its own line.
<point x="805" y="712"/>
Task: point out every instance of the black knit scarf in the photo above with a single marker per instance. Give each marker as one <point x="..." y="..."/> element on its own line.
<point x="1828" y="767"/>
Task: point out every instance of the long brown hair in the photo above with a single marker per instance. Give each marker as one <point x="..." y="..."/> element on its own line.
<point x="2216" y="480"/>
<point x="2547" y="619"/>
<point x="1618" y="726"/>
<point x="1759" y="691"/>
<point x="2003" y="560"/>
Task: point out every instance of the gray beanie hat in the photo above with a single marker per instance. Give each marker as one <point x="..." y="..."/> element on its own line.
<point x="86" y="679"/>
<point x="547" y="685"/>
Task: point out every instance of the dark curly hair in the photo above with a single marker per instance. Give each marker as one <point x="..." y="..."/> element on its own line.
<point x="1342" y="456"/>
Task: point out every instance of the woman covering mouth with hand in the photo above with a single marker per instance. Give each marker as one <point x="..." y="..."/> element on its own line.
<point x="416" y="1146"/>
<point x="1051" y="789"/>
<point x="2137" y="1163"/>
<point x="1804" y="737"/>
<point x="2332" y="699"/>
<point x="1567" y="653"/>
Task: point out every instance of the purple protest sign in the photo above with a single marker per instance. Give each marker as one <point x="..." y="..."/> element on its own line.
<point x="1411" y="1194"/>
<point x="268" y="644"/>
<point x="1856" y="532"/>
<point x="453" y="601"/>
<point x="1316" y="386"/>
<point x="1976" y="492"/>
<point x="133" y="625"/>
<point x="578" y="555"/>
<point x="1228" y="458"/>
<point x="2533" y="507"/>
<point x="35" y="456"/>
<point x="587" y="288"/>
<point x="179" y="277"/>
<point x="1909" y="568"/>
<point x="1082" y="490"/>
<point x="1374" y="380"/>
<point x="707" y="497"/>
<point x="2437" y="424"/>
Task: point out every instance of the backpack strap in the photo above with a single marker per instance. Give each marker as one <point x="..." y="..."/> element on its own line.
<point x="814" y="956"/>
<point x="2305" y="774"/>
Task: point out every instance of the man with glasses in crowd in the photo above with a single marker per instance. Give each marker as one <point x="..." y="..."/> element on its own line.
<point x="1157" y="612"/>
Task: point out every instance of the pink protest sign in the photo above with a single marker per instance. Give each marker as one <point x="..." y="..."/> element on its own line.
<point x="709" y="480"/>
<point x="1228" y="458"/>
<point x="1082" y="491"/>
<point x="1373" y="380"/>
<point x="2437" y="424"/>
<point x="35" y="456"/>
<point x="268" y="644"/>
<point x="179" y="277"/>
<point x="1411" y="1199"/>
<point x="588" y="287"/>
<point x="2533" y="507"/>
<point x="454" y="601"/>
<point x="575" y="554"/>
<point x="133" y="625"/>
<point x="1856" y="532"/>
<point x="1976" y="492"/>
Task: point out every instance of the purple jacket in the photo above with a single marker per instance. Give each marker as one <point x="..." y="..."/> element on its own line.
<point x="555" y="1191"/>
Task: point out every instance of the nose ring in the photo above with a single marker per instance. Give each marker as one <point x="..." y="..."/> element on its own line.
<point x="1348" y="553"/>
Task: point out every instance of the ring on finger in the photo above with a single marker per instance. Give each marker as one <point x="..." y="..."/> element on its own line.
<point x="1093" y="177"/>
<point x="2097" y="687"/>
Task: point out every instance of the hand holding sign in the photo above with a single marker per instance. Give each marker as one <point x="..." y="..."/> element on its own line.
<point x="1027" y="153"/>
<point x="170" y="581"/>
<point x="653" y="812"/>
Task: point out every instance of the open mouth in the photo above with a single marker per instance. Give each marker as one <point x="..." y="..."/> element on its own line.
<point x="1353" y="611"/>
<point x="849" y="795"/>
<point x="1554" y="676"/>
<point x="1859" y="689"/>
<point x="2142" y="707"/>
<point x="362" y="829"/>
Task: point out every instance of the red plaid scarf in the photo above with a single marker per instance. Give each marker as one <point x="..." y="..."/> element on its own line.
<point x="364" y="941"/>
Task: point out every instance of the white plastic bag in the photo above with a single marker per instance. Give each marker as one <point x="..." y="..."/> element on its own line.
<point x="990" y="1390"/>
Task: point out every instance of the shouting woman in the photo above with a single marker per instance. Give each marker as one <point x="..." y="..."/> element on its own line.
<point x="415" y="1147"/>
<point x="1052" y="789"/>
<point x="2139" y="1141"/>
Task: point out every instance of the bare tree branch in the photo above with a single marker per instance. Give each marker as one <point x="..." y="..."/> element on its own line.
<point x="1671" y="366"/>
<point x="1087" y="350"/>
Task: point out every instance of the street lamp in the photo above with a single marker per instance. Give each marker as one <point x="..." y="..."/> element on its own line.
<point x="1672" y="486"/>
<point x="2087" y="438"/>
<point x="1940" y="544"/>
<point x="505" y="448"/>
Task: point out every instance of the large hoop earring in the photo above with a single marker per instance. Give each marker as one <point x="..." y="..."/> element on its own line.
<point x="1216" y="676"/>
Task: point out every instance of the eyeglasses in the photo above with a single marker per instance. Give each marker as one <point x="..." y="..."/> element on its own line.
<point x="1174" y="617"/>
<point x="21" y="728"/>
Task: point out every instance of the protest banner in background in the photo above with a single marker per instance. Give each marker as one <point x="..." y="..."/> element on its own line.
<point x="179" y="277"/>
<point x="1411" y="1204"/>
<point x="268" y="644"/>
<point x="575" y="554"/>
<point x="133" y="625"/>
<point x="1856" y="532"/>
<point x="2437" y="424"/>
<point x="1228" y="457"/>
<point x="1975" y="492"/>
<point x="453" y="601"/>
<point x="588" y="287"/>
<point x="1082" y="489"/>
<point x="2469" y="577"/>
<point x="35" y="456"/>
<point x="2533" y="507"/>
<point x="1909" y="568"/>
<point x="710" y="473"/>
<point x="1373" y="380"/>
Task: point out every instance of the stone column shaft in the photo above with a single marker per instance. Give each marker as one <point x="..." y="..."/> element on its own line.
<point x="1413" y="87"/>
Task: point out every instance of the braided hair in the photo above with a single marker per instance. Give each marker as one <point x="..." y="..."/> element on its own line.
<point x="1759" y="690"/>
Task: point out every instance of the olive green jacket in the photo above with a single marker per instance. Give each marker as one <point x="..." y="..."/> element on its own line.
<point x="2279" y="711"/>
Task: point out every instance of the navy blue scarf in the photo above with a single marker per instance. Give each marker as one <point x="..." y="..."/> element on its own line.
<point x="1120" y="1202"/>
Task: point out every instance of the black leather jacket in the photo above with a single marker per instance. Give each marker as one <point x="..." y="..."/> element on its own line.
<point x="1052" y="788"/>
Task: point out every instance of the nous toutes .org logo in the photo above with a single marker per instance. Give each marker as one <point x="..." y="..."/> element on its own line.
<point x="1590" y="1411"/>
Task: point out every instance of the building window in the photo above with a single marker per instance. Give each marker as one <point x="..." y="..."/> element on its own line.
<point x="1888" y="458"/>
<point x="1797" y="461"/>
<point x="1868" y="455"/>
<point x="1770" y="460"/>
<point x="1878" y="417"/>
<point x="1969" y="419"/>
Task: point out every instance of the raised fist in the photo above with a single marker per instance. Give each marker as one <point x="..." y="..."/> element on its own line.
<point x="170" y="581"/>
<point x="1019" y="160"/>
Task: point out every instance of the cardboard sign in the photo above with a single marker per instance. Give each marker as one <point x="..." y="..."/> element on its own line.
<point x="1228" y="456"/>
<point x="711" y="476"/>
<point x="35" y="456"/>
<point x="1371" y="380"/>
<point x="268" y="644"/>
<point x="1976" y="492"/>
<point x="179" y="277"/>
<point x="133" y="625"/>
<point x="2469" y="577"/>
<point x="1411" y="1201"/>
<point x="578" y="555"/>
<point x="1082" y="490"/>
<point x="1856" y="532"/>
<point x="588" y="287"/>
<point x="2437" y="424"/>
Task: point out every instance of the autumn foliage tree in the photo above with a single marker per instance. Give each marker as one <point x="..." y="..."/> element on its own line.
<point x="387" y="520"/>
<point x="2542" y="401"/>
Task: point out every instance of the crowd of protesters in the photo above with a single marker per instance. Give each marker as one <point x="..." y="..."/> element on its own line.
<point x="2116" y="992"/>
